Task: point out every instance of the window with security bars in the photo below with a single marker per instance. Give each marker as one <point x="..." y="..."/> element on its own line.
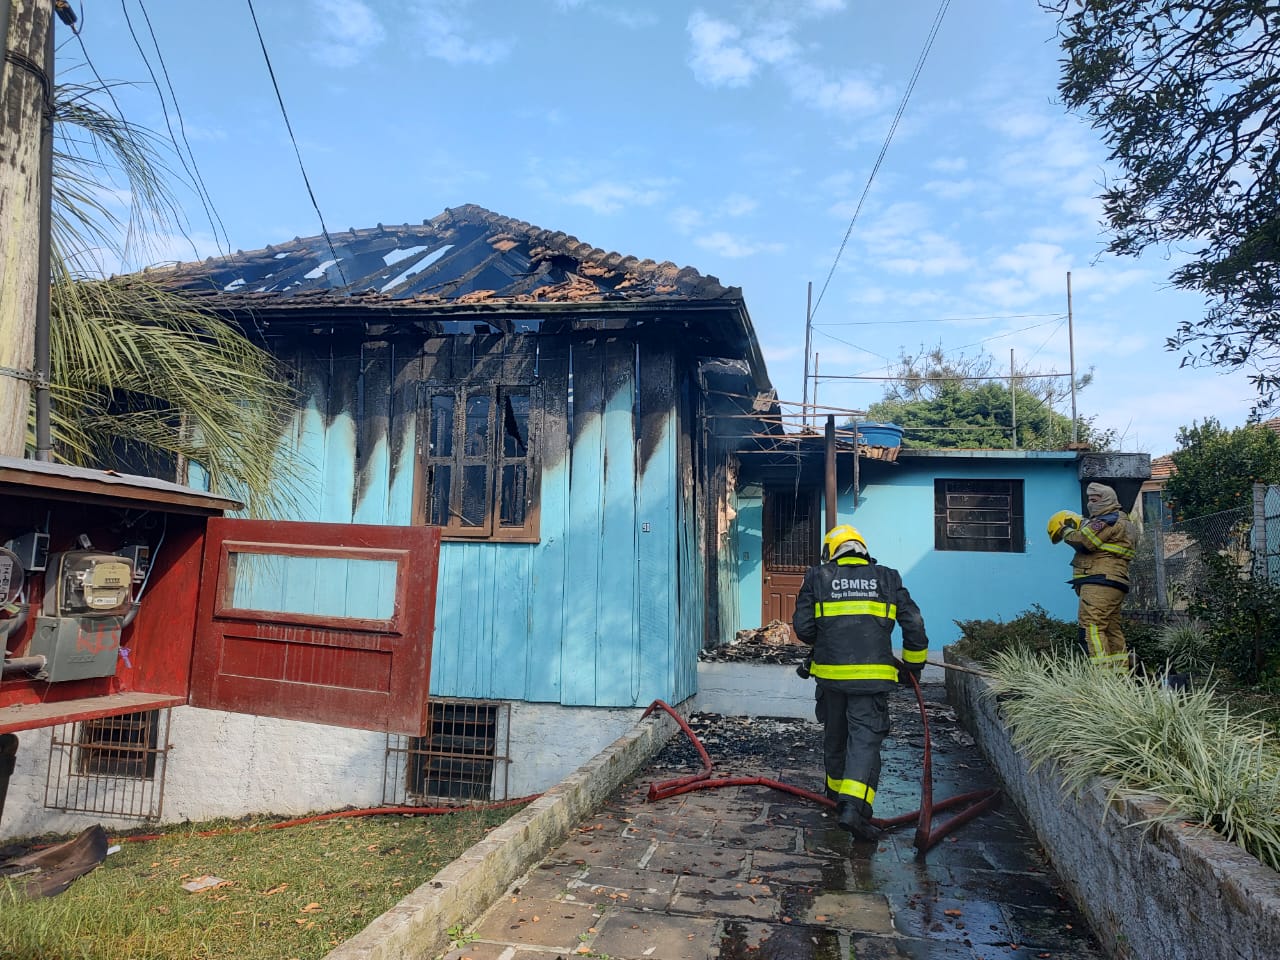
<point x="464" y="757"/>
<point x="791" y="540"/>
<point x="979" y="515"/>
<point x="109" y="765"/>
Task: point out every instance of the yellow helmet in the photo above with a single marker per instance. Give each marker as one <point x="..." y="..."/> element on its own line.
<point x="1060" y="523"/>
<point x="838" y="536"/>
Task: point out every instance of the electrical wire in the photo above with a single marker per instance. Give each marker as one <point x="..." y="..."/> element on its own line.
<point x="892" y="323"/>
<point x="211" y="211"/>
<point x="884" y="149"/>
<point x="174" y="212"/>
<point x="337" y="261"/>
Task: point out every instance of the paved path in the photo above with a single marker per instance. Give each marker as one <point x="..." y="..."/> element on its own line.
<point x="752" y="873"/>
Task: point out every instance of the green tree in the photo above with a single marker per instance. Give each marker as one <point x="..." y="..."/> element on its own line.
<point x="946" y="402"/>
<point x="1186" y="95"/>
<point x="1215" y="468"/>
<point x="139" y="375"/>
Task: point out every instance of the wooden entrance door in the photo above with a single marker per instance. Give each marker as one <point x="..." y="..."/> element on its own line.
<point x="791" y="543"/>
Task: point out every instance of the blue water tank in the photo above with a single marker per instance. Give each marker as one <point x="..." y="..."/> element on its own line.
<point x="880" y="434"/>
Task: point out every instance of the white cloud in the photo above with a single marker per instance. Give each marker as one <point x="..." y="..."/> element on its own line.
<point x="685" y="219"/>
<point x="349" y="28"/>
<point x="727" y="245"/>
<point x="725" y="54"/>
<point x="840" y="95"/>
<point x="930" y="255"/>
<point x="952" y="189"/>
<point x="950" y="164"/>
<point x="717" y="59"/>
<point x="609" y="196"/>
<point x="1026" y="273"/>
<point x="447" y="35"/>
<point x="739" y="205"/>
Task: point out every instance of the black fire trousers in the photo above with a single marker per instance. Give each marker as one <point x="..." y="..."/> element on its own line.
<point x="854" y="726"/>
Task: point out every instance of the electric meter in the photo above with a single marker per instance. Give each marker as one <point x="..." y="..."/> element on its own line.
<point x="84" y="583"/>
<point x="12" y="576"/>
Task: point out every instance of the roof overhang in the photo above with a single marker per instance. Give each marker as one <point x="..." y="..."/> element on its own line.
<point x="36" y="479"/>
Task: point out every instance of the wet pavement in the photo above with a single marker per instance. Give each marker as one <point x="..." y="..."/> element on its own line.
<point x="755" y="873"/>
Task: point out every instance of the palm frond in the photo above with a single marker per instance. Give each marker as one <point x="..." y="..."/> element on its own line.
<point x="142" y="369"/>
<point x="138" y="374"/>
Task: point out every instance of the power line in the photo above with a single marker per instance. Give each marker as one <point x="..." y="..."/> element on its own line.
<point x="206" y="200"/>
<point x="924" y="54"/>
<point x="891" y="323"/>
<point x="944" y="378"/>
<point x="337" y="261"/>
<point x="128" y="134"/>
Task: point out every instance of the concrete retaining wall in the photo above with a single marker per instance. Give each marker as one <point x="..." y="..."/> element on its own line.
<point x="1171" y="892"/>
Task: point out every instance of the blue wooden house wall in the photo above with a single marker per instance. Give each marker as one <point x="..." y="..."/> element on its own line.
<point x="607" y="608"/>
<point x="895" y="512"/>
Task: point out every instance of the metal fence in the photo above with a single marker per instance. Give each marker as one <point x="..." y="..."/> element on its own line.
<point x="1170" y="555"/>
<point x="1266" y="531"/>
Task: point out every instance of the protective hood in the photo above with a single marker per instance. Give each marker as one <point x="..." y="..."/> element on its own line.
<point x="1107" y="501"/>
<point x="850" y="548"/>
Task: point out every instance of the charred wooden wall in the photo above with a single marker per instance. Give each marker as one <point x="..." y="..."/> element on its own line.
<point x="608" y="607"/>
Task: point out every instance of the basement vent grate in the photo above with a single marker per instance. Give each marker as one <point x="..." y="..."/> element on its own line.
<point x="110" y="765"/>
<point x="464" y="758"/>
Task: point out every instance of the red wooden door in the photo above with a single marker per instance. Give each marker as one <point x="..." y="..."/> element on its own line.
<point x="325" y="622"/>
<point x="790" y="548"/>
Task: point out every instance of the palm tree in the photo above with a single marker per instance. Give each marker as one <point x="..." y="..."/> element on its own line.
<point x="138" y="374"/>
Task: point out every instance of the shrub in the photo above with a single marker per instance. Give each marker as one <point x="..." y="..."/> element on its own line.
<point x="1186" y="647"/>
<point x="1032" y="631"/>
<point x="1142" y="639"/>
<point x="1242" y="616"/>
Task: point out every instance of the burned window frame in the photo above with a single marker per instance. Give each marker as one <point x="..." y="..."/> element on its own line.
<point x="491" y="458"/>
<point x="955" y="526"/>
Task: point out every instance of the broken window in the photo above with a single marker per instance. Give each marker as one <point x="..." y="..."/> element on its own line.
<point x="980" y="515"/>
<point x="480" y="462"/>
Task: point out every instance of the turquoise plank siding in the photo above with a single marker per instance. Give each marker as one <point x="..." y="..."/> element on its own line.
<point x="618" y="655"/>
<point x="656" y="612"/>
<point x="606" y="608"/>
<point x="750" y="526"/>
<point x="586" y="518"/>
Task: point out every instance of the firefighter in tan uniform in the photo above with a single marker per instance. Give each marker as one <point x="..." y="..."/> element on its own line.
<point x="1104" y="546"/>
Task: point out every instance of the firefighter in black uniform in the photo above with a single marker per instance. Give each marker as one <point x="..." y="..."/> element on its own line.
<point x="846" y="610"/>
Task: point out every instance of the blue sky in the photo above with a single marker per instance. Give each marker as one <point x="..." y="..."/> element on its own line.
<point x="734" y="137"/>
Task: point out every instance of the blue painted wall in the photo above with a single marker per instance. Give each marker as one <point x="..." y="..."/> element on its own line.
<point x="895" y="515"/>
<point x="607" y="608"/>
<point x="750" y="553"/>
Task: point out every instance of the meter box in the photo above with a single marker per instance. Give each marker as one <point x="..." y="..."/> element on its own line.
<point x="76" y="648"/>
<point x="12" y="576"/>
<point x="86" y="583"/>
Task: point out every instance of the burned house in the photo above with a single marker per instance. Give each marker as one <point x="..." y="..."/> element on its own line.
<point x="567" y="418"/>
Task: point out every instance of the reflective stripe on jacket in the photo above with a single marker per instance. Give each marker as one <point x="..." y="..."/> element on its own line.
<point x="846" y="609"/>
<point x="1104" y="546"/>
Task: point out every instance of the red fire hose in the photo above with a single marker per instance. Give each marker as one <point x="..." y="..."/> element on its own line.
<point x="927" y="835"/>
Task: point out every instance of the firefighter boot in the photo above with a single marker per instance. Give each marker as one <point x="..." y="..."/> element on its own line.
<point x="855" y="823"/>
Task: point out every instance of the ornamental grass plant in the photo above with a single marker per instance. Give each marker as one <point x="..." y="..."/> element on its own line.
<point x="1212" y="767"/>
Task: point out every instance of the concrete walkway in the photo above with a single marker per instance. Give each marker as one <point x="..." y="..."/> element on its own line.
<point x="751" y="872"/>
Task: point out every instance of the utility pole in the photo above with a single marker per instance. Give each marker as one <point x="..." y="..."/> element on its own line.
<point x="808" y="335"/>
<point x="26" y="91"/>
<point x="1013" y="399"/>
<point x="1071" y="347"/>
